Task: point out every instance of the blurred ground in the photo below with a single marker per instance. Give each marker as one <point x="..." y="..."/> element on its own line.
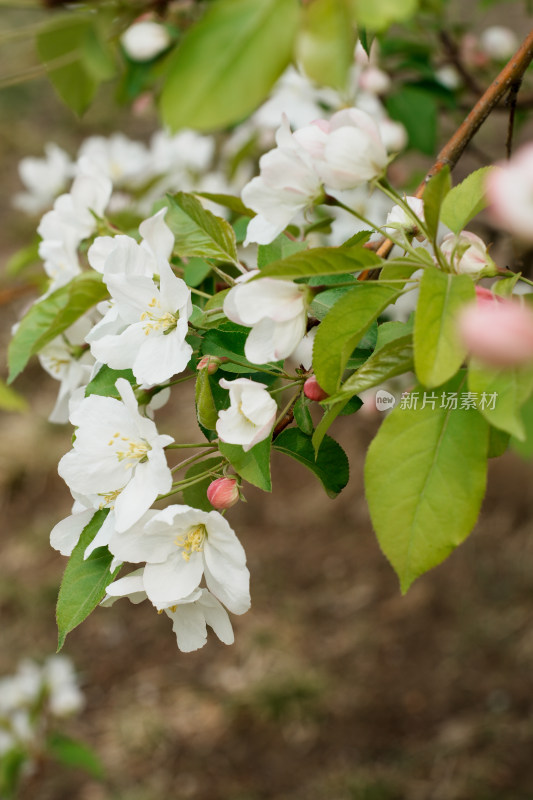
<point x="337" y="688"/>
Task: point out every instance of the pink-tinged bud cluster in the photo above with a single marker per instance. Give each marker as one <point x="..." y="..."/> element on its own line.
<point x="210" y="363"/>
<point x="498" y="332"/>
<point x="510" y="193"/>
<point x="313" y="390"/>
<point x="467" y="254"/>
<point x="223" y="493"/>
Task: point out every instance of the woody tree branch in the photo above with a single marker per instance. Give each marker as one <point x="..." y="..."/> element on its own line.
<point x="510" y="77"/>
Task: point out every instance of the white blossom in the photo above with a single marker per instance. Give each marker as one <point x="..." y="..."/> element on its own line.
<point x="353" y="151"/>
<point x="251" y="415"/>
<point x="73" y="369"/>
<point x="43" y="178"/>
<point x="145" y="40"/>
<point x="276" y="310"/>
<point x="117" y="454"/>
<point x="288" y="183"/>
<point x="190" y="615"/>
<point x="181" y="544"/>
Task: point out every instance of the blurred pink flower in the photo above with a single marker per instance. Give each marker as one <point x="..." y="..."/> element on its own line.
<point x="510" y="193"/>
<point x="498" y="333"/>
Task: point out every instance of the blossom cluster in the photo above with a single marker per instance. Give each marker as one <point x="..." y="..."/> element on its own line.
<point x="31" y="698"/>
<point x="156" y="328"/>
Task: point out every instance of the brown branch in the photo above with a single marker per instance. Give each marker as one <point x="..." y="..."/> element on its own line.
<point x="511" y="104"/>
<point x="456" y="145"/>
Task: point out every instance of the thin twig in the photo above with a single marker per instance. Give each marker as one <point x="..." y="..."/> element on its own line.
<point x="511" y="104"/>
<point x="456" y="145"/>
<point x="454" y="57"/>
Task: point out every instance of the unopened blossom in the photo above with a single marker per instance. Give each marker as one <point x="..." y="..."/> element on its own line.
<point x="313" y="390"/>
<point x="276" y="310"/>
<point x="223" y="493"/>
<point x="287" y="184"/>
<point x="509" y="189"/>
<point x="179" y="546"/>
<point x="251" y="415"/>
<point x="398" y="218"/>
<point x="190" y="615"/>
<point x="499" y="334"/>
<point x="374" y="80"/>
<point x="155" y="319"/>
<point x="393" y="135"/>
<point x="353" y="151"/>
<point x="145" y="40"/>
<point x="117" y="454"/>
<point x="467" y="254"/>
<point x="210" y="363"/>
<point x="43" y="179"/>
<point x="499" y="42"/>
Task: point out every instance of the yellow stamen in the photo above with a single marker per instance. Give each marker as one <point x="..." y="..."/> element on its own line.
<point x="192" y="541"/>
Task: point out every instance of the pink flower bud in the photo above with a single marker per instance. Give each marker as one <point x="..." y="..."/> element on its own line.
<point x="313" y="390"/>
<point x="500" y="333"/>
<point x="210" y="363"/>
<point x="486" y="296"/>
<point x="223" y="493"/>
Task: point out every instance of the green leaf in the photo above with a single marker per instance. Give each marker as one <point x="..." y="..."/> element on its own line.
<point x="417" y="110"/>
<point x="302" y="415"/>
<point x="502" y="393"/>
<point x="438" y="350"/>
<point x="425" y="478"/>
<point x="326" y="42"/>
<point x="105" y="379"/>
<point x="10" y="400"/>
<point x="196" y="495"/>
<point x="344" y="327"/>
<point x="75" y="57"/>
<point x="393" y="358"/>
<point x="11" y="771"/>
<point x="321" y="261"/>
<point x="434" y="194"/>
<point x="389" y="331"/>
<point x="498" y="442"/>
<point x="525" y="448"/>
<point x="234" y="204"/>
<point x="84" y="580"/>
<point x="253" y="466"/>
<point x="226" y="64"/>
<point x="74" y="754"/>
<point x="197" y="231"/>
<point x="326" y="422"/>
<point x="465" y="201"/>
<point x="277" y="250"/>
<point x="331" y="464"/>
<point x="195" y="271"/>
<point x="51" y="316"/>
<point x="205" y="405"/>
<point x="376" y="15"/>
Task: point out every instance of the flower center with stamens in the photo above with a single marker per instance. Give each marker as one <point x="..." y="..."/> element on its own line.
<point x="109" y="498"/>
<point x="156" y="320"/>
<point x="134" y="452"/>
<point x="192" y="541"/>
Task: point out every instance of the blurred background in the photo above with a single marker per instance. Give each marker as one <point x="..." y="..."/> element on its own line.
<point x="337" y="686"/>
